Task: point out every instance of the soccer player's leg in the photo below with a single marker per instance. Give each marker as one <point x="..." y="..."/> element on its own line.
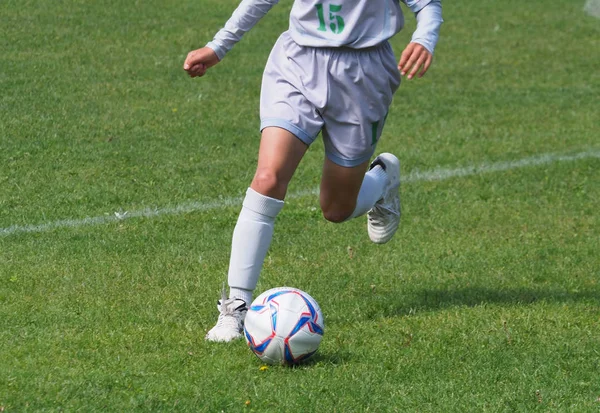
<point x="290" y="122"/>
<point x="279" y="155"/>
<point x="354" y="122"/>
<point x="347" y="192"/>
<point x="340" y="191"/>
<point x="383" y="218"/>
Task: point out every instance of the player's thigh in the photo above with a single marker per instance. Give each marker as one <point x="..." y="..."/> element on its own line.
<point x="291" y="95"/>
<point x="362" y="86"/>
<point x="278" y="157"/>
<point x="340" y="186"/>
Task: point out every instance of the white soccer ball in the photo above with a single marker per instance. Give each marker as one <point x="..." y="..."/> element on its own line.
<point x="284" y="326"/>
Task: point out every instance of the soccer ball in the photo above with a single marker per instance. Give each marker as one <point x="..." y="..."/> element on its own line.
<point x="284" y="326"/>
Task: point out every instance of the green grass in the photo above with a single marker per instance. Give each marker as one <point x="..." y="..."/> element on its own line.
<point x="488" y="298"/>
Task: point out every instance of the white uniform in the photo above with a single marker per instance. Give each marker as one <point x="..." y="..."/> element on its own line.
<point x="351" y="23"/>
<point x="333" y="70"/>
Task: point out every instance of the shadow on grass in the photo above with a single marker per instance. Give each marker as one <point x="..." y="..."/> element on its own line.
<point x="320" y="358"/>
<point x="327" y="357"/>
<point x="438" y="299"/>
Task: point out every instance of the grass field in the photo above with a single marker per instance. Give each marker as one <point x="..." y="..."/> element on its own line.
<point x="487" y="299"/>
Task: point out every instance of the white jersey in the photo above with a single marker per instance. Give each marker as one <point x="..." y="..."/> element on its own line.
<point x="355" y="24"/>
<point x="349" y="23"/>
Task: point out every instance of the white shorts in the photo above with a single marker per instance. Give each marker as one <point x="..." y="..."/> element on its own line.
<point x="345" y="93"/>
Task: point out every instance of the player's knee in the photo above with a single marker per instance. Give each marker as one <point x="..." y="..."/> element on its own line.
<point x="268" y="183"/>
<point x="336" y="215"/>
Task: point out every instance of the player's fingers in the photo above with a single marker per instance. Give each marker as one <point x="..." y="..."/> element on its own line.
<point x="411" y="66"/>
<point x="426" y="65"/>
<point x="408" y="53"/>
<point x="409" y="63"/>
<point x="197" y="70"/>
<point x="404" y="58"/>
<point x="415" y="68"/>
<point x="191" y="59"/>
<point x="188" y="61"/>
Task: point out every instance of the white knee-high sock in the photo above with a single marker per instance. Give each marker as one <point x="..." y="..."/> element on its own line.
<point x="371" y="191"/>
<point x="250" y="242"/>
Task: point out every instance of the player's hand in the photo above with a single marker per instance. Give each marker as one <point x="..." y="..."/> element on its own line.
<point x="415" y="59"/>
<point x="198" y="61"/>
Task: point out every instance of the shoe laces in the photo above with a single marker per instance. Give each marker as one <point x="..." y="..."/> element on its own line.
<point x="228" y="320"/>
<point x="230" y="315"/>
<point x="380" y="213"/>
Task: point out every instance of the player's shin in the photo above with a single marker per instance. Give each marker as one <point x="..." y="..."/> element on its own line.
<point x="251" y="240"/>
<point x="371" y="191"/>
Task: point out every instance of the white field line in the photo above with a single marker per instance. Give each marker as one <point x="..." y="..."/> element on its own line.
<point x="592" y="7"/>
<point x="438" y="174"/>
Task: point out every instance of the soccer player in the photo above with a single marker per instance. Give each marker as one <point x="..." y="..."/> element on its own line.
<point x="332" y="72"/>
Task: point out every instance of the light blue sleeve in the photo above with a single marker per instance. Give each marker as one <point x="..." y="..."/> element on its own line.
<point x="416" y="5"/>
<point x="429" y="21"/>
<point x="245" y="16"/>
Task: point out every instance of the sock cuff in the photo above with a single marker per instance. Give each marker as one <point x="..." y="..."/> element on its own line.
<point x="262" y="204"/>
<point x="242" y="294"/>
<point x="377" y="171"/>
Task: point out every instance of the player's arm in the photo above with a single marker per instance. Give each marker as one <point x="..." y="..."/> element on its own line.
<point x="417" y="56"/>
<point x="247" y="14"/>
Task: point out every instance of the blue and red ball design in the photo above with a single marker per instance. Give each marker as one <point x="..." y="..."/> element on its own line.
<point x="284" y="326"/>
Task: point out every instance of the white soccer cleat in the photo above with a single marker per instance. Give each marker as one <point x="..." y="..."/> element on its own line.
<point x="383" y="219"/>
<point x="231" y="320"/>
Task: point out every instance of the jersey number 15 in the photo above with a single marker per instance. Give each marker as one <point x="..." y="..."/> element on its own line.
<point x="336" y="22"/>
